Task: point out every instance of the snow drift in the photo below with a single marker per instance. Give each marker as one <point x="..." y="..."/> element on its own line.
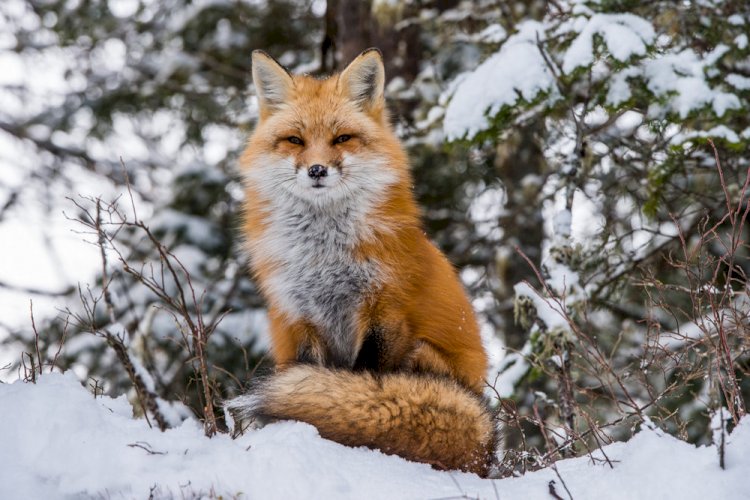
<point x="58" y="441"/>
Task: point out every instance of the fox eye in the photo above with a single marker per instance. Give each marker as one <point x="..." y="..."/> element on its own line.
<point x="295" y="140"/>
<point x="341" y="138"/>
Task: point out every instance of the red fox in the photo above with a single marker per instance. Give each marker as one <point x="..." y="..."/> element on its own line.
<point x="373" y="336"/>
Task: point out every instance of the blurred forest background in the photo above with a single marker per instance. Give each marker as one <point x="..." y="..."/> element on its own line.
<point x="563" y="154"/>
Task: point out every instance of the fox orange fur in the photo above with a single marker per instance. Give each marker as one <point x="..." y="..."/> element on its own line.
<point x="374" y="338"/>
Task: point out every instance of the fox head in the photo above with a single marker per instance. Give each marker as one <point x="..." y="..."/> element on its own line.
<point x="322" y="140"/>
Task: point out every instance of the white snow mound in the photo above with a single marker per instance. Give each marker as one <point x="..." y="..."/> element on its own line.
<point x="58" y="441"/>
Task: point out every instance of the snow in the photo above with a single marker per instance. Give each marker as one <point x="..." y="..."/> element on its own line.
<point x="741" y="41"/>
<point x="517" y="71"/>
<point x="678" y="78"/>
<point x="687" y="333"/>
<point x="485" y="211"/>
<point x="549" y="310"/>
<point x="562" y="280"/>
<point x="719" y="131"/>
<point x="61" y="442"/>
<point x="494" y="33"/>
<point x="682" y="74"/>
<point x="244" y="325"/>
<point x="691" y="332"/>
<point x="123" y="8"/>
<point x="619" y="90"/>
<point x="197" y="229"/>
<point x="512" y="369"/>
<point x="738" y="81"/>
<point x="625" y="35"/>
<point x="562" y="222"/>
<point x="736" y="20"/>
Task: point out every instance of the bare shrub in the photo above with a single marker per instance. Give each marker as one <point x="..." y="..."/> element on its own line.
<point x="688" y="364"/>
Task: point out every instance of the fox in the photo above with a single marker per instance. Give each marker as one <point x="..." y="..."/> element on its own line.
<point x="374" y="339"/>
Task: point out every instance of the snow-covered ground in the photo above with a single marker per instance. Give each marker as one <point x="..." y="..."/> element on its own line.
<point x="58" y="441"/>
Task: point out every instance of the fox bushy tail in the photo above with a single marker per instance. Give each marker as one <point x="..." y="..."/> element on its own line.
<point x="424" y="418"/>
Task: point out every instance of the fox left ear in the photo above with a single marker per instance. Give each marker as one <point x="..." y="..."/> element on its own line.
<point x="273" y="83"/>
<point x="364" y="79"/>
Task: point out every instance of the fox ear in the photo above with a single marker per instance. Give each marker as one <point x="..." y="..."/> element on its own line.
<point x="273" y="83"/>
<point x="364" y="79"/>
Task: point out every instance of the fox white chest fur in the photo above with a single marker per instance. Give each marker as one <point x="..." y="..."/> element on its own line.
<point x="316" y="276"/>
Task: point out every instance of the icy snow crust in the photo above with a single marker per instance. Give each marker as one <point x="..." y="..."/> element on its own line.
<point x="60" y="442"/>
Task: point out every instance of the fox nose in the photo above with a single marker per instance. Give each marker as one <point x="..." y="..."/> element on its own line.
<point x="317" y="171"/>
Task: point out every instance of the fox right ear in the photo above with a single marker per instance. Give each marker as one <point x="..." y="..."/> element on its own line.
<point x="273" y="83"/>
<point x="363" y="80"/>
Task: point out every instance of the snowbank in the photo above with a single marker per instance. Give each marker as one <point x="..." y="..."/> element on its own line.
<point x="57" y="441"/>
